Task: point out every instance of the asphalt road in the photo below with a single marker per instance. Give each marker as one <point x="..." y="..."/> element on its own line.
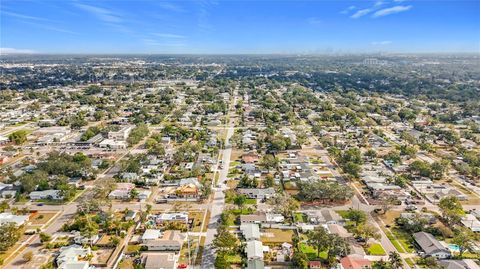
<point x="218" y="201"/>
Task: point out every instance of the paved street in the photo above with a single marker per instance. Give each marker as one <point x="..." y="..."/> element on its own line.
<point x="219" y="199"/>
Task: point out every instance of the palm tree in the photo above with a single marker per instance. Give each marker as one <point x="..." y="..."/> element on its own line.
<point x="395" y="260"/>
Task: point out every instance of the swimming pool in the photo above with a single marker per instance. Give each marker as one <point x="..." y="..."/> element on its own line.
<point x="454" y="248"/>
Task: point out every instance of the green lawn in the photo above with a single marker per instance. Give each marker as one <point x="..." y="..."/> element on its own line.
<point x="311" y="252"/>
<point x="468" y="255"/>
<point x="300" y="217"/>
<point x="342" y="213"/>
<point x="376" y="250"/>
<point x="243" y="211"/>
<point x="234" y="163"/>
<point x="251" y="201"/>
<point x="133" y="248"/>
<point x="403" y="239"/>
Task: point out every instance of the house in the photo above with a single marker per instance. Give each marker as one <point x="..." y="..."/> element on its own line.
<point x="254" y="250"/>
<point x="69" y="257"/>
<point x="338" y="230"/>
<point x="250" y="157"/>
<point x="186" y="191"/>
<point x="150" y="234"/>
<point x="285" y="252"/>
<point x="249" y="168"/>
<point x="411" y="216"/>
<point x="4" y="140"/>
<point x="165" y="140"/>
<point x="274" y="218"/>
<point x="120" y="135"/>
<point x="431" y="246"/>
<point x="253" y="218"/>
<point x="190" y="180"/>
<point x="257" y="193"/>
<point x="459" y="264"/>
<point x="7" y="191"/>
<point x="172" y="217"/>
<point x="250" y="231"/>
<point x="330" y="217"/>
<point x="120" y="194"/>
<point x="46" y="194"/>
<point x="75" y="181"/>
<point x="160" y="260"/>
<point x="355" y="262"/>
<point x="172" y="240"/>
<point x="261" y="218"/>
<point x="131" y="215"/>
<point x="471" y="222"/>
<point x="19" y="220"/>
<point x="112" y="144"/>
<point x="315" y="265"/>
<point x="130" y="177"/>
<point x="84" y="240"/>
<point x="143" y="194"/>
<point x="450" y="191"/>
<point x="188" y="166"/>
<point x="3" y="159"/>
<point x="7" y="194"/>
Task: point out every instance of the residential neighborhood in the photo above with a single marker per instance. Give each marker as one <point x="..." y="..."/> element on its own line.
<point x="205" y="163"/>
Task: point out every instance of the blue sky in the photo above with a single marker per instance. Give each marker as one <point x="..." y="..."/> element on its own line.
<point x="249" y="26"/>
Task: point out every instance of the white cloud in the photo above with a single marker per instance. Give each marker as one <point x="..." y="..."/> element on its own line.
<point x="101" y="13"/>
<point x="166" y="35"/>
<point x="382" y="43"/>
<point x="391" y="10"/>
<point x="23" y="16"/>
<point x="4" y="51"/>
<point x="348" y="9"/>
<point x="399" y="1"/>
<point x="360" y="13"/>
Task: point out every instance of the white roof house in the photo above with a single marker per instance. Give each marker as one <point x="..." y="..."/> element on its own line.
<point x="177" y="216"/>
<point x="112" y="144"/>
<point x="9" y="218"/>
<point x="68" y="257"/>
<point x="144" y="194"/>
<point x="254" y="250"/>
<point x="119" y="194"/>
<point x="120" y="135"/>
<point x="471" y="222"/>
<point x="150" y="234"/>
<point x="250" y="231"/>
<point x="46" y="194"/>
<point x="274" y="218"/>
<point x="190" y="180"/>
<point x="4" y="140"/>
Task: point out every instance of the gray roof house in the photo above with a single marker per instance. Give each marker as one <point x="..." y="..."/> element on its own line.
<point x="431" y="246"/>
<point x="257" y="193"/>
<point x="250" y="231"/>
<point x="254" y="250"/>
<point x="459" y="264"/>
